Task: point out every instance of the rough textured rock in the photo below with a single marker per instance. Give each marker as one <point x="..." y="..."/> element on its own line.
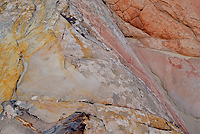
<point x="172" y="27"/>
<point x="71" y="67"/>
<point x="71" y="117"/>
<point x="21" y="36"/>
<point x="175" y="23"/>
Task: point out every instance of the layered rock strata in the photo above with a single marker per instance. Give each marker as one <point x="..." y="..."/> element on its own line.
<point x="70" y="65"/>
<point x="67" y="118"/>
<point x="165" y="37"/>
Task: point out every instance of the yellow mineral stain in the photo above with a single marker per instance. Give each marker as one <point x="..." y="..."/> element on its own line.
<point x="54" y="106"/>
<point x="26" y="39"/>
<point x="10" y="69"/>
<point x="147" y="119"/>
<point x="154" y="121"/>
<point x="38" y="41"/>
<point x="86" y="51"/>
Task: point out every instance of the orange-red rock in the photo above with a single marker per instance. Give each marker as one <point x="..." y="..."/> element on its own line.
<point x="169" y="20"/>
<point x="74" y="52"/>
<point x="171" y="26"/>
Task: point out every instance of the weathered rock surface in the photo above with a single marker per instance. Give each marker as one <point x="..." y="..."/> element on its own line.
<point x="175" y="23"/>
<point x="70" y="65"/>
<point x="178" y="75"/>
<point x="71" y="117"/>
<point x="169" y="26"/>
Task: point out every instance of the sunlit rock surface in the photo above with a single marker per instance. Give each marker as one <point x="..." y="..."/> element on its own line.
<point x="178" y="75"/>
<point x="67" y="68"/>
<point x="174" y="24"/>
<point x="165" y="37"/>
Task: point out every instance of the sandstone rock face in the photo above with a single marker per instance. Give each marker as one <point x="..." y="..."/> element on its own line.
<point x="172" y="27"/>
<point x="67" y="68"/>
<point x="179" y="75"/>
<point x="101" y="119"/>
<point x="175" y="23"/>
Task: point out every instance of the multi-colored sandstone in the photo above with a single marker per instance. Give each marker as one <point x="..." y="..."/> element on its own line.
<point x="78" y="68"/>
